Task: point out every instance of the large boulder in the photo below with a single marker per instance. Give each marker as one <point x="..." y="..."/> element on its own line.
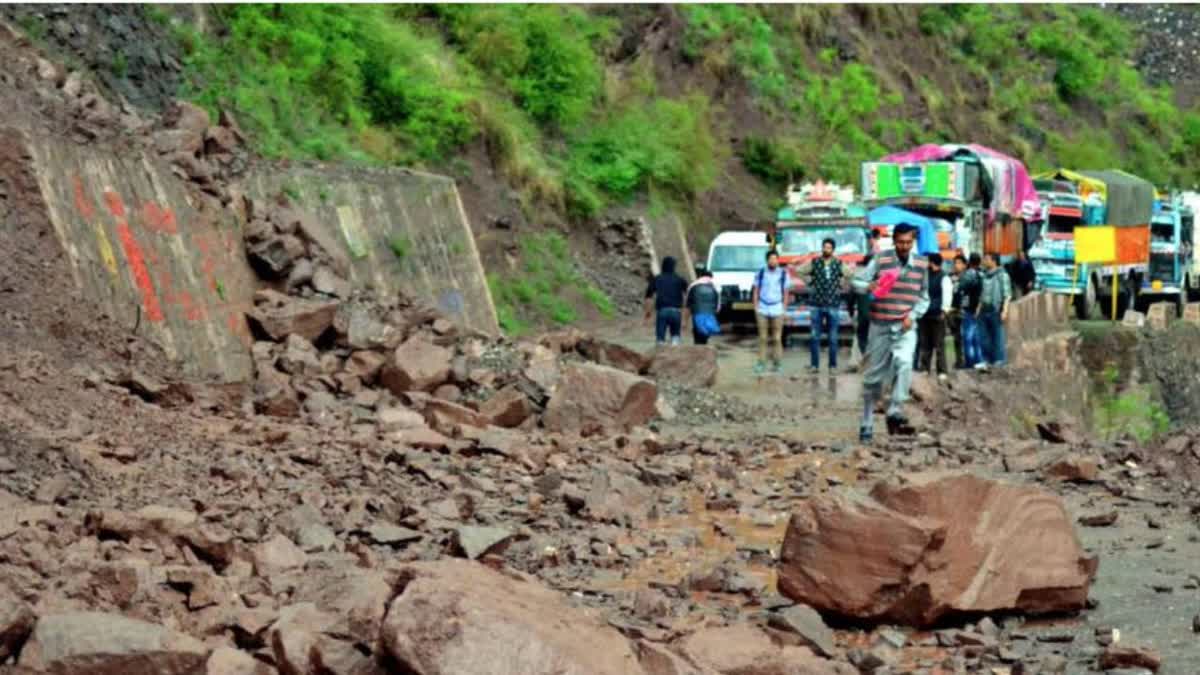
<point x="280" y="315"/>
<point x="416" y="365"/>
<point x="455" y="616"/>
<point x="96" y="642"/>
<point x="935" y="546"/>
<point x="588" y="395"/>
<point x="612" y="354"/>
<point x="691" y="365"/>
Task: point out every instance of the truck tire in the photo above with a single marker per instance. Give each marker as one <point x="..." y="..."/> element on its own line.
<point x="1085" y="303"/>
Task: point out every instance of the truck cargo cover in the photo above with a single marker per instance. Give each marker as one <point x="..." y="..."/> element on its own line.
<point x="1130" y="200"/>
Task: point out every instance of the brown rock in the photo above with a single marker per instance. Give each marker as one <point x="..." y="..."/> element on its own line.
<point x="507" y="408"/>
<point x="274" y="396"/>
<point x="456" y="617"/>
<point x="299" y="357"/>
<point x="1099" y="520"/>
<point x="690" y="365"/>
<point x="356" y="597"/>
<point x="445" y="416"/>
<point x="280" y="315"/>
<point x="297" y="635"/>
<point x="274" y="256"/>
<point x="187" y="116"/>
<point x="564" y="340"/>
<point x="229" y="661"/>
<point x="365" y="364"/>
<point x="744" y="649"/>
<point x="220" y="141"/>
<point x="934" y="546"/>
<point x="96" y="642"/>
<point x="656" y="659"/>
<point x="398" y="419"/>
<point x="614" y="355"/>
<point x="1074" y="469"/>
<point x="1130" y="657"/>
<point x="16" y="622"/>
<point x="416" y="365"/>
<point x="588" y="394"/>
<point x="448" y="392"/>
<point x="543" y="369"/>
<point x="423" y="438"/>
<point x="1057" y="432"/>
<point x="277" y="554"/>
<point x="177" y="142"/>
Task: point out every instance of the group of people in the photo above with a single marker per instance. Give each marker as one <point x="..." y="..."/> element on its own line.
<point x="905" y="305"/>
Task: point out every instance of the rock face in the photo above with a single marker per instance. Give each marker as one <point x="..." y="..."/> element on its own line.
<point x="588" y="394"/>
<point x="461" y="617"/>
<point x="416" y="365"/>
<point x="937" y="545"/>
<point x="691" y="365"/>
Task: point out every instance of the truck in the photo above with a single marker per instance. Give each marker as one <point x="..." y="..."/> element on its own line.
<point x="815" y="212"/>
<point x="734" y="257"/>
<point x="1172" y="229"/>
<point x="1108" y="197"/>
<point x="985" y="197"/>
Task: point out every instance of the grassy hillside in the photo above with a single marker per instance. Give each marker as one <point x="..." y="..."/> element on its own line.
<point x="703" y="109"/>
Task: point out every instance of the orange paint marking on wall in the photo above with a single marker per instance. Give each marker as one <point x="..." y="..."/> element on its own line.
<point x="83" y="203"/>
<point x="141" y="276"/>
<point x="115" y="205"/>
<point x="159" y="219"/>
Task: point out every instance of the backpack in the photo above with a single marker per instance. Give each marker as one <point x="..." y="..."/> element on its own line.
<point x="758" y="281"/>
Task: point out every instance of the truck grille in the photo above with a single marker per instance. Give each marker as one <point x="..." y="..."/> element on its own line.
<point x="1162" y="267"/>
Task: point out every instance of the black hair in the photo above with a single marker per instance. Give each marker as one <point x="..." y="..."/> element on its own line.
<point x="974" y="260"/>
<point x="935" y="259"/>
<point x="668" y="265"/>
<point x="961" y="257"/>
<point x="770" y="253"/>
<point x="994" y="256"/>
<point x="904" y="228"/>
<point x="703" y="272"/>
<point x="830" y="241"/>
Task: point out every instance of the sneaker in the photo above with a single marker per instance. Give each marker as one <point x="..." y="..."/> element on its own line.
<point x="865" y="434"/>
<point x="760" y="368"/>
<point x="942" y="377"/>
<point x="814" y="369"/>
<point x="981" y="367"/>
<point x="776" y="367"/>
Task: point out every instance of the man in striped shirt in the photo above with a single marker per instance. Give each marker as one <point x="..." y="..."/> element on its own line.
<point x="899" y="281"/>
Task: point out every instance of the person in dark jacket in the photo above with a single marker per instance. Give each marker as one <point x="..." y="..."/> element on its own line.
<point x="862" y="308"/>
<point x="703" y="303"/>
<point x="1023" y="276"/>
<point x="954" y="319"/>
<point x="667" y="290"/>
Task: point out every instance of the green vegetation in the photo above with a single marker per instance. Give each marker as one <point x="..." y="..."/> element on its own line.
<point x="544" y="286"/>
<point x="400" y="246"/>
<point x="1132" y="414"/>
<point x="120" y="64"/>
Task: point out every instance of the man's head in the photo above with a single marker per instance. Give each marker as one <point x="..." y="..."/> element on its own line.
<point x="960" y="264"/>
<point x="772" y="259"/>
<point x="1021" y="254"/>
<point x="827" y="247"/>
<point x="935" y="262"/>
<point x="668" y="265"/>
<point x="990" y="261"/>
<point x="974" y="260"/>
<point x="704" y="273"/>
<point x="903" y="238"/>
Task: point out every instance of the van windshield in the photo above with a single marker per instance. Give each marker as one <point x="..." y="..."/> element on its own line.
<point x="737" y="258"/>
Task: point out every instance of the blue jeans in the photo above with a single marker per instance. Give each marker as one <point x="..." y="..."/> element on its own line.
<point x="824" y="319"/>
<point x="667" y="318"/>
<point x="972" y="350"/>
<point x="991" y="331"/>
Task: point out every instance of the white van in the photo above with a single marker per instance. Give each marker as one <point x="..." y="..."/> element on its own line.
<point x="734" y="258"/>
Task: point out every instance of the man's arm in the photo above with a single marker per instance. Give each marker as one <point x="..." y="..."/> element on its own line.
<point x="865" y="278"/>
<point x="947" y="293"/>
<point x="1006" y="290"/>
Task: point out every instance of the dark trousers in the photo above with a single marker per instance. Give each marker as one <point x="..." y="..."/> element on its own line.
<point x="864" y="330"/>
<point x="933" y="342"/>
<point x="824" y="320"/>
<point x="991" y="333"/>
<point x="954" y="327"/>
<point x="668" y="318"/>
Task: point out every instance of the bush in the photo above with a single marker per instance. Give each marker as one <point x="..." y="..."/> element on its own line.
<point x="774" y="161"/>
<point x="542" y="287"/>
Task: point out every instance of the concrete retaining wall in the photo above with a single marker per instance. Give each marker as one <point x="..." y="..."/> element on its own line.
<point x="140" y="248"/>
<point x="1036" y="316"/>
<point x="174" y="267"/>
<point x="400" y="229"/>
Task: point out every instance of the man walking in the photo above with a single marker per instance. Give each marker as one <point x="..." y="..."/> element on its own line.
<point x="703" y="303"/>
<point x="899" y="281"/>
<point x="993" y="311"/>
<point x="954" y="318"/>
<point x="770" y="295"/>
<point x="667" y="290"/>
<point x="824" y="279"/>
<point x="1023" y="275"/>
<point x="932" y="327"/>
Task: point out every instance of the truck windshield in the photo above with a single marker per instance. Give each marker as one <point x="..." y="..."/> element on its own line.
<point x="737" y="258"/>
<point x="1162" y="232"/>
<point x="804" y="240"/>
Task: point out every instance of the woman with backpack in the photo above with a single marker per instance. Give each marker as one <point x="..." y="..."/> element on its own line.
<point x="703" y="303"/>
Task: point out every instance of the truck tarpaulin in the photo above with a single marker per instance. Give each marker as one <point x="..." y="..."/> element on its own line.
<point x="1011" y="189"/>
<point x="1129" y="204"/>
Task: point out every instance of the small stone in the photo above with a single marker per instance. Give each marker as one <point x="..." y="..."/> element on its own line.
<point x="1130" y="657"/>
<point x="386" y="533"/>
<point x="474" y="541"/>
<point x="1099" y="520"/>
